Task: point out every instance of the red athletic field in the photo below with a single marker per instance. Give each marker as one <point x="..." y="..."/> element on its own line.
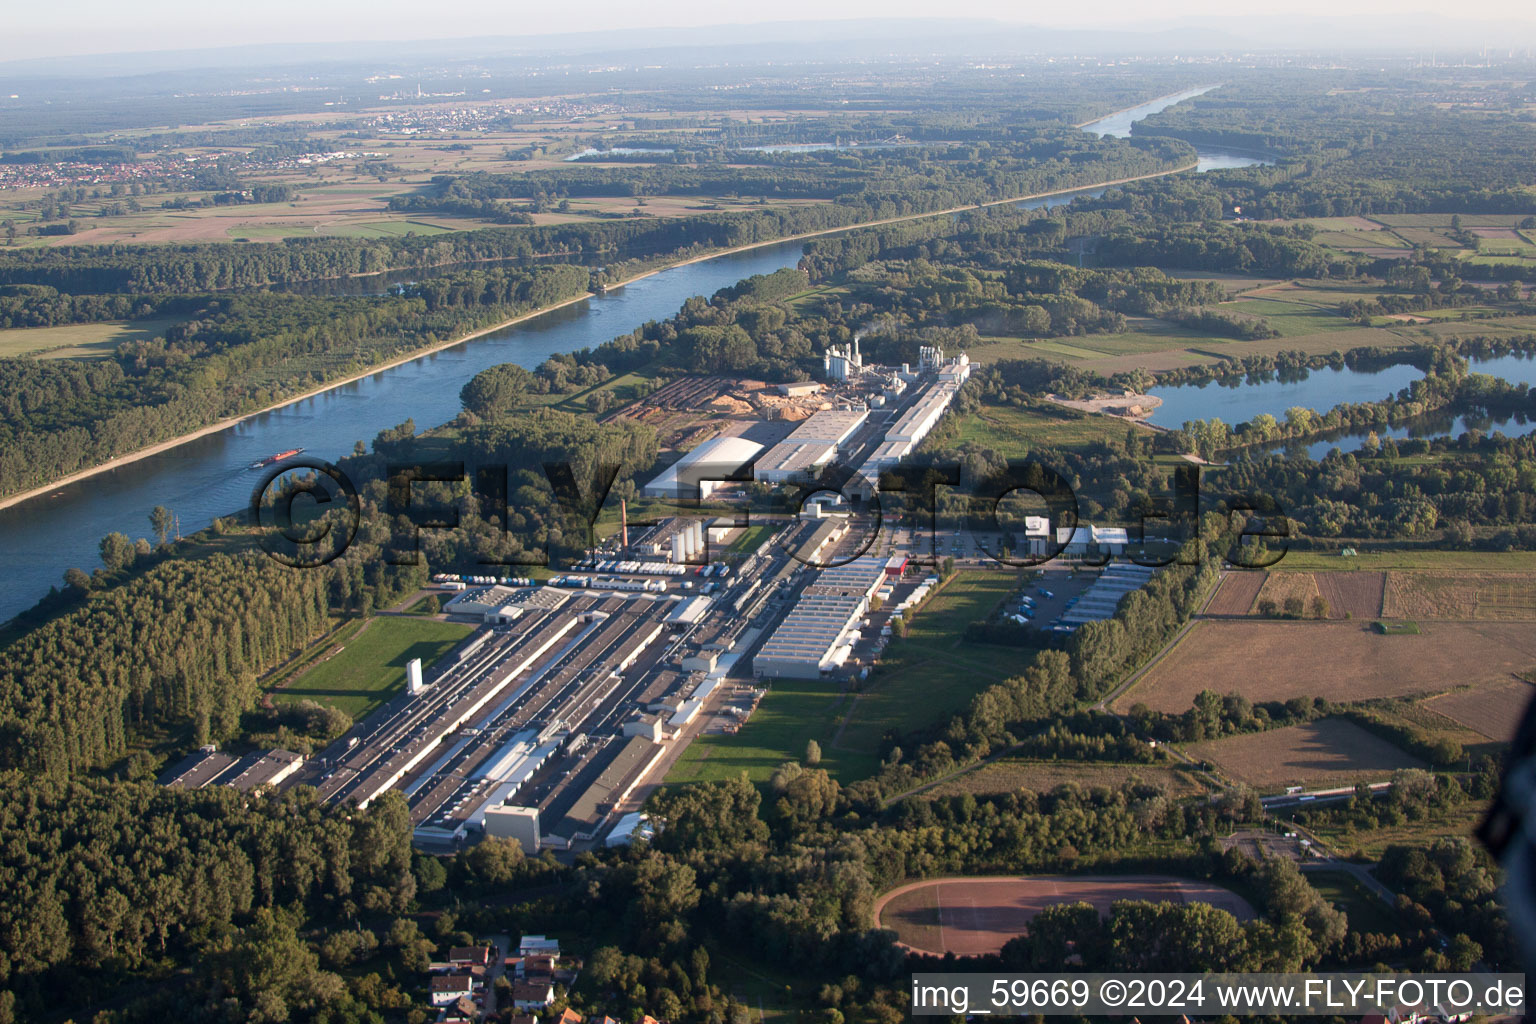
<point x="974" y="916"/>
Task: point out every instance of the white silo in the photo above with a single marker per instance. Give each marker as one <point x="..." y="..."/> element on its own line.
<point x="413" y="676"/>
<point x="679" y="549"/>
<point x="699" y="543"/>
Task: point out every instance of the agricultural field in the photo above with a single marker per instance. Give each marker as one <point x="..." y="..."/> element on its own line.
<point x="1237" y="593"/>
<point x="79" y="341"/>
<point x="1482" y="596"/>
<point x="1291" y="319"/>
<point x="370" y="667"/>
<point x="1493" y="710"/>
<point x="1342" y="661"/>
<point x="1360" y="240"/>
<point x="1281" y="587"/>
<point x="1328" y="752"/>
<point x="1410" y="559"/>
<point x="1010" y="775"/>
<point x="976" y="916"/>
<point x="1349" y="594"/>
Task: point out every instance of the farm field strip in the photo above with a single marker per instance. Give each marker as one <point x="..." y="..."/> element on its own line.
<point x="1329" y="752"/>
<point x="1342" y="661"/>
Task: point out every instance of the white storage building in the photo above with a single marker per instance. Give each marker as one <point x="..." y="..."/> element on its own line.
<point x="705" y="469"/>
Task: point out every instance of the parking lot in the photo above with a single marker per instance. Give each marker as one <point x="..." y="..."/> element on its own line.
<point x="1061" y="584"/>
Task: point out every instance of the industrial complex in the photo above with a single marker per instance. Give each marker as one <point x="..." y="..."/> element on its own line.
<point x="547" y="725"/>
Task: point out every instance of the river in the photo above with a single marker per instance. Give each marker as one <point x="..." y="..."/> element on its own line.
<point x="1118" y="125"/>
<point x="211" y="475"/>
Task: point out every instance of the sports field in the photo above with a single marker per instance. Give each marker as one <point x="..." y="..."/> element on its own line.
<point x="976" y="916"/>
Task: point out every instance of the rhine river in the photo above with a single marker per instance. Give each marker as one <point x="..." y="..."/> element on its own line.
<point x="211" y="476"/>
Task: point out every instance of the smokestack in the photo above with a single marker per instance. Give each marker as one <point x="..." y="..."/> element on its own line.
<point x="623" y="525"/>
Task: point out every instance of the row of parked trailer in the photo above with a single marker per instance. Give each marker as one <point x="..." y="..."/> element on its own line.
<point x="484" y="581"/>
<point x="644" y="568"/>
<point x="611" y="583"/>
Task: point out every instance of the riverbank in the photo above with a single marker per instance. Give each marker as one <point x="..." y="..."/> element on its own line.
<point x="227" y="423"/>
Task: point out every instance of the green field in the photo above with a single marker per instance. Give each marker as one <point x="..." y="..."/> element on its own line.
<point x="1459" y="821"/>
<point x="1320" y="561"/>
<point x="795" y="710"/>
<point x="80" y="341"/>
<point x="1011" y="429"/>
<point x="370" y="668"/>
<point x="1359" y="240"/>
<point x="751" y="538"/>
<point x="1291" y="319"/>
<point x="369" y="229"/>
<point x="934" y="672"/>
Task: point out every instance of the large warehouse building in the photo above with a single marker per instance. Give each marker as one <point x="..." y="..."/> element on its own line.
<point x="815" y="637"/>
<point x="705" y="469"/>
<point x="809" y="446"/>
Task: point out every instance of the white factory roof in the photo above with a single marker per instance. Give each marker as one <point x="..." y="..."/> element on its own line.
<point x="691" y="610"/>
<point x="1092" y="535"/>
<point x="792" y="457"/>
<point x="825" y="613"/>
<point x="830" y="425"/>
<point x="717" y="458"/>
<point x="1037" y="526"/>
<point x="917" y="421"/>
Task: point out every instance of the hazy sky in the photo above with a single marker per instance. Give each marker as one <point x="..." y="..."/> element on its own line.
<point x="61" y="27"/>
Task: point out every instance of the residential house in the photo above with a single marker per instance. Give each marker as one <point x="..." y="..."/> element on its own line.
<point x="448" y="989"/>
<point x="532" y="995"/>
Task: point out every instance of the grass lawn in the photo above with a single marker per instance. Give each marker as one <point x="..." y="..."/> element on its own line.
<point x="1291" y="319"/>
<point x="371" y="667"/>
<point x="751" y="538"/>
<point x="80" y="341"/>
<point x="1366" y="913"/>
<point x="1325" y="561"/>
<point x="1013" y="430"/>
<point x="795" y="710"/>
<point x="933" y="673"/>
